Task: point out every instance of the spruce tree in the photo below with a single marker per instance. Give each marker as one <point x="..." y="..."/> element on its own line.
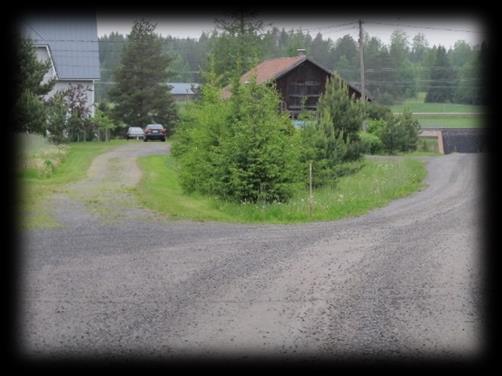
<point x="29" y="112"/>
<point x="141" y="95"/>
<point x="442" y="79"/>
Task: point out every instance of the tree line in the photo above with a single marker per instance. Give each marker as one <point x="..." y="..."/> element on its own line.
<point x="393" y="71"/>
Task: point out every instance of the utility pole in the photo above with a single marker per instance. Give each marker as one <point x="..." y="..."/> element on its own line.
<point x="361" y="59"/>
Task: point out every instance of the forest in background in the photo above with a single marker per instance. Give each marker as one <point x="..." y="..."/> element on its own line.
<point x="393" y="72"/>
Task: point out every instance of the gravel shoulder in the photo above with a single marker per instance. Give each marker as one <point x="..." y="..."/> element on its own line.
<point x="402" y="280"/>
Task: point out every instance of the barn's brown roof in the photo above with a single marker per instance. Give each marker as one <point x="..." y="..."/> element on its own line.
<point x="268" y="70"/>
<point x="272" y="69"/>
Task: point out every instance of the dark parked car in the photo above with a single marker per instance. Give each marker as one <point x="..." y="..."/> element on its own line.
<point x="155" y="132"/>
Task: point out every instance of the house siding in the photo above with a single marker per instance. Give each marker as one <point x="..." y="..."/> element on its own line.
<point x="87" y="84"/>
<point x="42" y="55"/>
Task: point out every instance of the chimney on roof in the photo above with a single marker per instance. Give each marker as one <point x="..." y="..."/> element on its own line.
<point x="301" y="51"/>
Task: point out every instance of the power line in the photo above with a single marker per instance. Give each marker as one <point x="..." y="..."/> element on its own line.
<point x="424" y="27"/>
<point x="329" y="27"/>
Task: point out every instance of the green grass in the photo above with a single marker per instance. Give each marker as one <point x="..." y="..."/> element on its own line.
<point x="438" y="118"/>
<point x="418" y="105"/>
<point x="374" y="185"/>
<point x="450" y="121"/>
<point x="35" y="188"/>
<point x="426" y="147"/>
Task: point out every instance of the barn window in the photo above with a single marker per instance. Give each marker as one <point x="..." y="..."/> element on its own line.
<point x="296" y="88"/>
<point x="310" y="90"/>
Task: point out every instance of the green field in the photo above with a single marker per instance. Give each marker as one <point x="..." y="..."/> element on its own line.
<point x="36" y="184"/>
<point x="414" y="105"/>
<point x="442" y="115"/>
<point x="374" y="185"/>
<point x="450" y="121"/>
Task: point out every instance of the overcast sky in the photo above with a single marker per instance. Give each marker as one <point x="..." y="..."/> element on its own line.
<point x="443" y="31"/>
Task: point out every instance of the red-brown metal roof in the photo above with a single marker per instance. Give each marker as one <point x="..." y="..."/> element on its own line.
<point x="272" y="68"/>
<point x="268" y="70"/>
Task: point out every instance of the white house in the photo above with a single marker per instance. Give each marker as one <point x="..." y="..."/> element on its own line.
<point x="71" y="44"/>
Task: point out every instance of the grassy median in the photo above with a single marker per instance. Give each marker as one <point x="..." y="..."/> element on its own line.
<point x="377" y="183"/>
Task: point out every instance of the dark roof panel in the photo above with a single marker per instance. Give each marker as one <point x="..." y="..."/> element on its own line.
<point x="72" y="41"/>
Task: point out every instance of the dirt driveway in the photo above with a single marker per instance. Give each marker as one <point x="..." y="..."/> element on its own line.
<point x="118" y="280"/>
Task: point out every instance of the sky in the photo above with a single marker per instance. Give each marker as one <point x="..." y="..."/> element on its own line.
<point x="438" y="31"/>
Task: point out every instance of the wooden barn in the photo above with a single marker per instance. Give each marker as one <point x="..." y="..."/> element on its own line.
<point x="295" y="77"/>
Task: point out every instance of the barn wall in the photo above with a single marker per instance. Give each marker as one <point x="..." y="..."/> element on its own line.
<point x="302" y="81"/>
<point x="306" y="73"/>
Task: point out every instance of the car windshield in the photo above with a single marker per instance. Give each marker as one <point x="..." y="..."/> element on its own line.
<point x="154" y="126"/>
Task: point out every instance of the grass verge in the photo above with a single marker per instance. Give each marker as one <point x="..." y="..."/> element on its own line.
<point x="35" y="188"/>
<point x="374" y="185"/>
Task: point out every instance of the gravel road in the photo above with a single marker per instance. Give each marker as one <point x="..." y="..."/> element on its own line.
<point x="117" y="280"/>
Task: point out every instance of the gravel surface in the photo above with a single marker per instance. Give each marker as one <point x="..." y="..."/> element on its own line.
<point x="116" y="280"/>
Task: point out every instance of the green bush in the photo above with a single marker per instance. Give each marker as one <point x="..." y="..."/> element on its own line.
<point x="240" y="150"/>
<point x="332" y="139"/>
<point x="410" y="129"/>
<point x="370" y="143"/>
<point x="397" y="133"/>
<point x="57" y="119"/>
<point x="375" y="111"/>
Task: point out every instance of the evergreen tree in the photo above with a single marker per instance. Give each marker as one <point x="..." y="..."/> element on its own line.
<point x="110" y="51"/>
<point x="419" y="48"/>
<point x="141" y="95"/>
<point x="443" y="79"/>
<point x="460" y="54"/>
<point x="345" y="113"/>
<point x="239" y="40"/>
<point x="333" y="138"/>
<point x="29" y="112"/>
<point x="405" y="84"/>
<point x="346" y="58"/>
<point x="469" y="90"/>
<point x="239" y="150"/>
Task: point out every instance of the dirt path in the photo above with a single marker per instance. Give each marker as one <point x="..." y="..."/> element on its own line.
<point x="104" y="196"/>
<point x="402" y="280"/>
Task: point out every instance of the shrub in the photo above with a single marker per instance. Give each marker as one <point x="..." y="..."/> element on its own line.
<point x="398" y="133"/>
<point x="375" y="111"/>
<point x="57" y="119"/>
<point x="332" y="139"/>
<point x="410" y="129"/>
<point x="370" y="143"/>
<point x="240" y="150"/>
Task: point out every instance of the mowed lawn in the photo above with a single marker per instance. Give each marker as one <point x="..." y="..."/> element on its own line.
<point x="375" y="184"/>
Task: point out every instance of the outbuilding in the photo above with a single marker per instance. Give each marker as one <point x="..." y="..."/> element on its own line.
<point x="296" y="78"/>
